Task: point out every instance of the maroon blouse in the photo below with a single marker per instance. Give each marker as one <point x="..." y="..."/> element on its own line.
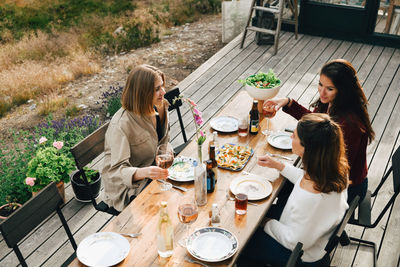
<point x="356" y="140"/>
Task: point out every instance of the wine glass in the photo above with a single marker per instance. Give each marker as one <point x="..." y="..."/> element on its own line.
<point x="187" y="214"/>
<point x="268" y="112"/>
<point x="164" y="159"/>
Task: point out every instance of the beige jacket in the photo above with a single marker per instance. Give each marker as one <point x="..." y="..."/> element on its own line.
<point x="131" y="142"/>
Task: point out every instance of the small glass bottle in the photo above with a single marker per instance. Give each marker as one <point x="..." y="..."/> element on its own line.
<point x="214" y="162"/>
<point x="200" y="183"/>
<point x="214" y="141"/>
<point x="254" y="118"/>
<point x="210" y="177"/>
<point x="215" y="217"/>
<point x="165" y="233"/>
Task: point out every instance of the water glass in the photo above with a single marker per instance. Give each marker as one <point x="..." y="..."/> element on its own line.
<point x="243" y="127"/>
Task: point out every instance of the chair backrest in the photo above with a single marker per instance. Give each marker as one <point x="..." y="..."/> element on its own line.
<point x="295" y="256"/>
<point x="396" y="170"/>
<point x="170" y="97"/>
<point x="30" y="215"/>
<point x="90" y="147"/>
<point x="335" y="237"/>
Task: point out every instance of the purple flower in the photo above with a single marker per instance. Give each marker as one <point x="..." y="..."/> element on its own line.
<point x="198" y="119"/>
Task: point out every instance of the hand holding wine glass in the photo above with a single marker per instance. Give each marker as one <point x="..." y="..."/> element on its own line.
<point x="164" y="159"/>
<point x="187" y="214"/>
<point x="269" y="111"/>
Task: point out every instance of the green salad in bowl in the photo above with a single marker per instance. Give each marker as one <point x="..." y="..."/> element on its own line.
<point x="262" y="80"/>
<point x="257" y="84"/>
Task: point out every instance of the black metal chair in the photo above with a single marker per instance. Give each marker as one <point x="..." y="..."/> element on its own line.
<point x="30" y="215"/>
<point x="339" y="235"/>
<point x="84" y="153"/>
<point x="365" y="208"/>
<point x="170" y="97"/>
<point x="294" y="258"/>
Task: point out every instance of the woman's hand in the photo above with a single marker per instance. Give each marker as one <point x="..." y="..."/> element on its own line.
<point x="152" y="172"/>
<point x="276" y="102"/>
<point x="267" y="161"/>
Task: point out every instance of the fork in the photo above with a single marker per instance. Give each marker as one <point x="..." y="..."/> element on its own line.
<point x="279" y="156"/>
<point x="131" y="235"/>
<point x="233" y="199"/>
<point x="188" y="259"/>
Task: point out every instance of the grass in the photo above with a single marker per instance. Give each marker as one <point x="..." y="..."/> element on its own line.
<point x="45" y="44"/>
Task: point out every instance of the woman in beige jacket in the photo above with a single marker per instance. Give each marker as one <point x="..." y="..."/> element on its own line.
<point x="133" y="135"/>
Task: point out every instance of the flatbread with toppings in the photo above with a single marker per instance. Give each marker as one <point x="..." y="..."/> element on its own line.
<point x="233" y="157"/>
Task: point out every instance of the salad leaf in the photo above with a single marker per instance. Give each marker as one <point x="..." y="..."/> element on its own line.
<point x="262" y="80"/>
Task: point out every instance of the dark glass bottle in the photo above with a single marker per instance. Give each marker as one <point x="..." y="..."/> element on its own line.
<point x="210" y="177"/>
<point x="254" y="124"/>
<point x="214" y="162"/>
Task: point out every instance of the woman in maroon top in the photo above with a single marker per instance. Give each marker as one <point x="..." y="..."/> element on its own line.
<point x="342" y="97"/>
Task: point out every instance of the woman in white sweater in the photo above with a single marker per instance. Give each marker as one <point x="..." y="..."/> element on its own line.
<point x="317" y="203"/>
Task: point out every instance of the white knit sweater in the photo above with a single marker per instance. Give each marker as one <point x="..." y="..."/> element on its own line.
<point x="308" y="218"/>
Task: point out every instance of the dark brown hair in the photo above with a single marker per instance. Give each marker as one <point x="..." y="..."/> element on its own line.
<point x="350" y="96"/>
<point x="324" y="157"/>
<point x="140" y="88"/>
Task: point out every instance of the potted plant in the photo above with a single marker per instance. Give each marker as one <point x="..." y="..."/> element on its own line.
<point x="8" y="208"/>
<point x="50" y="164"/>
<point x="82" y="192"/>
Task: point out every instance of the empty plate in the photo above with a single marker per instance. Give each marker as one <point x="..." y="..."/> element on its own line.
<point x="255" y="186"/>
<point x="225" y="124"/>
<point x="212" y="244"/>
<point x="103" y="249"/>
<point x="280" y="140"/>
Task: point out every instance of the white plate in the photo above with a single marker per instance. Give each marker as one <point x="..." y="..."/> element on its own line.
<point x="103" y="249"/>
<point x="225" y="124"/>
<point x="280" y="140"/>
<point x="182" y="169"/>
<point x="212" y="244"/>
<point x="255" y="186"/>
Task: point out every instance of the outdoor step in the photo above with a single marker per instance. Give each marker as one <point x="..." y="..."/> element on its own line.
<point x="270" y="9"/>
<point x="257" y="29"/>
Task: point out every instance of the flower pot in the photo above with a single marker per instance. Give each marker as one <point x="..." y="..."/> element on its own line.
<point x="82" y="192"/>
<point x="61" y="190"/>
<point x="6" y="210"/>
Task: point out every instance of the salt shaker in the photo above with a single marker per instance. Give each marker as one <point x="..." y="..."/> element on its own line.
<point x="215" y="218"/>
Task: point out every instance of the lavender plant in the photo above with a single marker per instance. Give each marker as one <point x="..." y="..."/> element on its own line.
<point x="111" y="100"/>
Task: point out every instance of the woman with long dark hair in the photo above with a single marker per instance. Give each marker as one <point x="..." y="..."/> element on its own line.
<point x="342" y="97"/>
<point x="317" y="202"/>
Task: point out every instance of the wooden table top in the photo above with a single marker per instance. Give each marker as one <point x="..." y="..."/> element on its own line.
<point x="143" y="213"/>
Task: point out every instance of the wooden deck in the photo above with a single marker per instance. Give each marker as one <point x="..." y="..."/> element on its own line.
<point x="214" y="83"/>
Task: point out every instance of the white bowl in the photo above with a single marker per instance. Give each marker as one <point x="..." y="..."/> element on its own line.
<point x="262" y="93"/>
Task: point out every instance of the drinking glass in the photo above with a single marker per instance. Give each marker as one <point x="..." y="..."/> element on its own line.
<point x="243" y="127"/>
<point x="241" y="199"/>
<point x="187" y="214"/>
<point x="268" y="112"/>
<point x="164" y="159"/>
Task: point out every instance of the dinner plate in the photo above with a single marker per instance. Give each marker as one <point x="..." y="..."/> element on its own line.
<point x="103" y="249"/>
<point x="182" y="169"/>
<point x="256" y="187"/>
<point x="225" y="124"/>
<point x="212" y="244"/>
<point x="280" y="140"/>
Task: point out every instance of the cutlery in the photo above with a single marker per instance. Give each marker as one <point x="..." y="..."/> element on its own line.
<point x="279" y="156"/>
<point x="233" y="199"/>
<point x="131" y="235"/>
<point x="188" y="259"/>
<point x="174" y="186"/>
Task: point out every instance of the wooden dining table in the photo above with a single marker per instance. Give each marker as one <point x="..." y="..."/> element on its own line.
<point x="142" y="214"/>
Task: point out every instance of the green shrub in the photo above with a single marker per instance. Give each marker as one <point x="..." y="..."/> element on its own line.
<point x="111" y="100"/>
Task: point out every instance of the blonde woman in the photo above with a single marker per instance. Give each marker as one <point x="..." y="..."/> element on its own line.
<point x="133" y="135"/>
<point x="317" y="203"/>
